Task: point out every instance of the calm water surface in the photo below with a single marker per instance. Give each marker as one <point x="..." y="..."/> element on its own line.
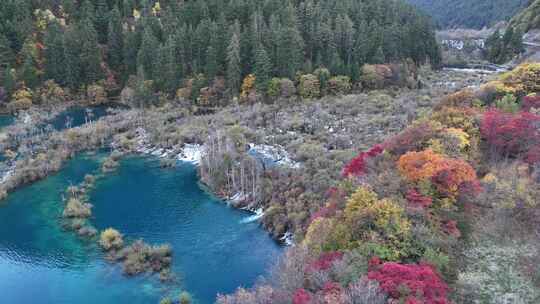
<point x="215" y="248"/>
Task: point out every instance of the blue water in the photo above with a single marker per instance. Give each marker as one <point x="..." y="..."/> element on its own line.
<point x="77" y="116"/>
<point x="214" y="250"/>
<point x="6" y="120"/>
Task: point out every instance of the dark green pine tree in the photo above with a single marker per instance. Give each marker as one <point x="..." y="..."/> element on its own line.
<point x="379" y="56"/>
<point x="494" y="47"/>
<point x="211" y="63"/>
<point x="101" y="20"/>
<point x="127" y="8"/>
<point x="516" y="44"/>
<point x="8" y="81"/>
<point x="69" y="7"/>
<point x="72" y="50"/>
<point x="147" y="53"/>
<point x="129" y="54"/>
<point x="115" y="41"/>
<point x="234" y="67"/>
<point x="86" y="11"/>
<point x="290" y="45"/>
<point x="7" y="56"/>
<point x="28" y="71"/>
<point x="54" y="54"/>
<point x="168" y="77"/>
<point x="90" y="53"/>
<point x="263" y="69"/>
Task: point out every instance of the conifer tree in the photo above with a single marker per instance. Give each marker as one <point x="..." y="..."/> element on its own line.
<point x="102" y="20"/>
<point x="28" y="72"/>
<point x="90" y="53"/>
<point x="147" y="53"/>
<point x="7" y="56"/>
<point x="8" y="81"/>
<point x="263" y="69"/>
<point x="115" y="40"/>
<point x="290" y="45"/>
<point x="54" y="54"/>
<point x="72" y="50"/>
<point x="234" y="72"/>
<point x="211" y="63"/>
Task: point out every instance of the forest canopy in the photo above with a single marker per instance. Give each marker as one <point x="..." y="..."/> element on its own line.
<point x="470" y="13"/>
<point x="78" y="43"/>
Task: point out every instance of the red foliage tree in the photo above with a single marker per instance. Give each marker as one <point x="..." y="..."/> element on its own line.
<point x="325" y="261"/>
<point x="412" y="139"/>
<point x="357" y="166"/>
<point x="418" y="200"/>
<point x="301" y="296"/>
<point x="511" y="135"/>
<point x="530" y="102"/>
<point x="414" y="283"/>
<point x="450" y="227"/>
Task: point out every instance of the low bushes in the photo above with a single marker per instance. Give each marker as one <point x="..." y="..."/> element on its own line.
<point x="512" y="135"/>
<point x="410" y="283"/>
<point x="111" y="239"/>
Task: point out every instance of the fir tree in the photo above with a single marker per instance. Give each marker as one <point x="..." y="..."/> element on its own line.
<point x="147" y="53"/>
<point x="115" y="40"/>
<point x="7" y="56"/>
<point x="90" y="53"/>
<point x="72" y="50"/>
<point x="211" y="63"/>
<point x="102" y="20"/>
<point x="234" y="72"/>
<point x="263" y="69"/>
<point x="28" y="72"/>
<point x="54" y="54"/>
<point x="8" y="81"/>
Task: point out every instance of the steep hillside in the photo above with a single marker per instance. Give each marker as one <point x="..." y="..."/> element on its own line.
<point x="470" y="13"/>
<point x="529" y="18"/>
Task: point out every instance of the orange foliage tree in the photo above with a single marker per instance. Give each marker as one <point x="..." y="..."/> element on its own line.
<point x="447" y="174"/>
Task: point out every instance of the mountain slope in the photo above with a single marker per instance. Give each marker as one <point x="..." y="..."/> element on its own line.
<point x="529" y="18"/>
<point x="470" y="13"/>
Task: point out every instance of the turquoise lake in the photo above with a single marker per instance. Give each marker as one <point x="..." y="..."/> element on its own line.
<point x="215" y="248"/>
<point x="6" y="120"/>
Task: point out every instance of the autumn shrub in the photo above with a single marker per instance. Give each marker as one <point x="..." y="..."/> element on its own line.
<point x="301" y="296"/>
<point x="75" y="208"/>
<point x="530" y="102"/>
<point x="51" y="93"/>
<point x="339" y="85"/>
<point x="508" y="104"/>
<point x="323" y="74"/>
<point x="248" y="91"/>
<point x="511" y="135"/>
<point x="111" y="239"/>
<point x="524" y="79"/>
<point x="463" y="98"/>
<point x="325" y="261"/>
<point x="376" y="225"/>
<point x="281" y="87"/>
<point x="414" y="138"/>
<point x="274" y="87"/>
<point x="21" y="99"/>
<point x="412" y="283"/>
<point x="140" y="257"/>
<point x="184" y="298"/>
<point x="448" y="175"/>
<point x="96" y="94"/>
<point x="309" y="86"/>
<point x="357" y="166"/>
<point x="373" y="76"/>
<point x="457" y="118"/>
<point x="417" y="200"/>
